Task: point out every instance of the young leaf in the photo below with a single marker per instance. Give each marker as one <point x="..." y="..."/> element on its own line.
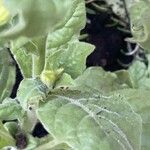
<point x="71" y="57"/>
<point x="85" y="121"/>
<point x="65" y="81"/>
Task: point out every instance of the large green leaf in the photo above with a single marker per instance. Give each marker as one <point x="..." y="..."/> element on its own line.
<point x="140" y="101"/>
<point x="84" y="121"/>
<point x="7" y="73"/>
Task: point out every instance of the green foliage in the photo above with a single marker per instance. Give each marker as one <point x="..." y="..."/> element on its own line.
<point x="80" y="108"/>
<point x="10" y="110"/>
<point x="7" y="73"/>
<point x="29" y="54"/>
<point x="5" y="137"/>
<point x="140" y="102"/>
<point x="25" y="21"/>
<point x="29" y="91"/>
<point x="138" y="75"/>
<point x="98" y="80"/>
<point x="140" y="23"/>
<point x="71" y="57"/>
<point x="85" y="121"/>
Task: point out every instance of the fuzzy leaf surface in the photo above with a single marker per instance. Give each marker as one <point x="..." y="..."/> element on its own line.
<point x="71" y="57"/>
<point x="10" y="110"/>
<point x="96" y="79"/>
<point x="5" y="137"/>
<point x="93" y="122"/>
<point x="7" y="73"/>
<point x="30" y="92"/>
<point x="139" y="99"/>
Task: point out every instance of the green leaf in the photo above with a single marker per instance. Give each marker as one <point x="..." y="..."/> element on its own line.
<point x="140" y="23"/>
<point x="71" y="26"/>
<point x="24" y="61"/>
<point x="27" y="32"/>
<point x="71" y="57"/>
<point x="140" y="101"/>
<point x="139" y="75"/>
<point x="63" y="50"/>
<point x="65" y="81"/>
<point x="137" y="72"/>
<point x="124" y="78"/>
<point x="30" y="92"/>
<point x="5" y="138"/>
<point x="96" y="79"/>
<point x="30" y="55"/>
<point x="7" y="73"/>
<point x="10" y="110"/>
<point x="29" y="20"/>
<point x="86" y="121"/>
<point x="12" y="127"/>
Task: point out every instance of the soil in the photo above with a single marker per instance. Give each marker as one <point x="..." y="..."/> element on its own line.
<point x="108" y="41"/>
